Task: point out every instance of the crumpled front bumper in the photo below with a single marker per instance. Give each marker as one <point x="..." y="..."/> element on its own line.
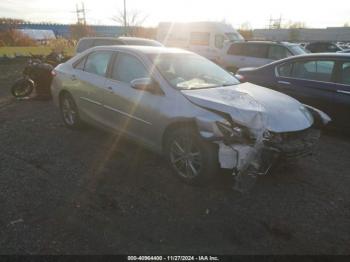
<point x="258" y="158"/>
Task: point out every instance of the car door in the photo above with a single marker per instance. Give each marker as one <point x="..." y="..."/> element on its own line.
<point x="89" y="81"/>
<point x="309" y="81"/>
<point x="126" y="109"/>
<point x="342" y="94"/>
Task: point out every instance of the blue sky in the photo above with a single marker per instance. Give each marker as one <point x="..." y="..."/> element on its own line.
<point x="313" y="13"/>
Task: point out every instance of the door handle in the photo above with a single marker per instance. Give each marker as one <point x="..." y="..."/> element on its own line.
<point x="343" y="92"/>
<point x="73" y="77"/>
<point x="284" y="82"/>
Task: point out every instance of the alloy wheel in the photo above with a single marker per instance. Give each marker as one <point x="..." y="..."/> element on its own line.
<point x="185" y="156"/>
<point x="69" y="111"/>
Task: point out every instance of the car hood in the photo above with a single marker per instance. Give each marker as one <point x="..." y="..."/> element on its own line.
<point x="254" y="107"/>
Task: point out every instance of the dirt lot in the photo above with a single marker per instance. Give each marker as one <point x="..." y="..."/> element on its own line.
<point x="69" y="192"/>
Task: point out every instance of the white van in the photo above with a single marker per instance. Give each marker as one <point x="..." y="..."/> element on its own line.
<point x="204" y="38"/>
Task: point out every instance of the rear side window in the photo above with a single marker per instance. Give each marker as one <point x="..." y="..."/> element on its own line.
<point x="285" y="70"/>
<point x="199" y="38"/>
<point x="277" y="52"/>
<point x="84" y="44"/>
<point x="345" y="74"/>
<point x="256" y="50"/>
<point x="128" y="68"/>
<point x="80" y="64"/>
<point x="314" y="70"/>
<point x="236" y="49"/>
<point x="97" y="62"/>
<point x="249" y="49"/>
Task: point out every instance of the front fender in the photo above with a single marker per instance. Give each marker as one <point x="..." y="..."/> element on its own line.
<point x="207" y="128"/>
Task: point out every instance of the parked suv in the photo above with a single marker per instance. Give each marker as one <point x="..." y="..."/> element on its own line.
<point x="88" y="42"/>
<point x="236" y="55"/>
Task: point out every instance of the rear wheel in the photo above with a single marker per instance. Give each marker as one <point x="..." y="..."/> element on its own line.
<point x="22" y="88"/>
<point x="69" y="111"/>
<point x="193" y="160"/>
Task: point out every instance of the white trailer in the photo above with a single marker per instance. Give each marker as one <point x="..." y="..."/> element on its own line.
<point x="204" y="38"/>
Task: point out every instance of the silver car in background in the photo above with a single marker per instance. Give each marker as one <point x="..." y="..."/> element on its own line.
<point x="236" y="55"/>
<point x="184" y="106"/>
<point x="89" y="42"/>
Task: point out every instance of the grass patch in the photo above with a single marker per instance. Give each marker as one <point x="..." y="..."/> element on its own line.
<point x="12" y="51"/>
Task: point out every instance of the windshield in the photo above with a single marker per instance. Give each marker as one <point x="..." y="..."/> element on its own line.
<point x="190" y="71"/>
<point x="297" y="50"/>
<point x="234" y="36"/>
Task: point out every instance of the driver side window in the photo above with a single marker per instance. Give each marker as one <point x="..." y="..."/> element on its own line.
<point x="127" y="68"/>
<point x="219" y="41"/>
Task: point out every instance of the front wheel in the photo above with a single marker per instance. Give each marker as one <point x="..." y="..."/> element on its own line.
<point x="193" y="160"/>
<point x="69" y="111"/>
<point x="22" y="87"/>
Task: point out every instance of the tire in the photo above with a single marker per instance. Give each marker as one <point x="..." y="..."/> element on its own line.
<point x="192" y="159"/>
<point x="22" y="87"/>
<point x="69" y="112"/>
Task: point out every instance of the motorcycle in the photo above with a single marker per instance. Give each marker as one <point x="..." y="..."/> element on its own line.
<point x="37" y="74"/>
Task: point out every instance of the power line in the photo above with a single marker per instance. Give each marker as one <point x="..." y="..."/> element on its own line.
<point x="81" y="17"/>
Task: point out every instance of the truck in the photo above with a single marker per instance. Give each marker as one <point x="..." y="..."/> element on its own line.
<point x="204" y="38"/>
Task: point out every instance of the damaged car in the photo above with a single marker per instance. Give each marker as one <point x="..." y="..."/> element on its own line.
<point x="186" y="107"/>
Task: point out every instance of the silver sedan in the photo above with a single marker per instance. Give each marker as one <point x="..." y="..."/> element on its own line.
<point x="184" y="106"/>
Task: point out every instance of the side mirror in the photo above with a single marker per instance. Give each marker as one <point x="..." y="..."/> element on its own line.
<point x="146" y="84"/>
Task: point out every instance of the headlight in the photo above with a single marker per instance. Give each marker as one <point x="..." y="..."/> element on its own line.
<point x="228" y="131"/>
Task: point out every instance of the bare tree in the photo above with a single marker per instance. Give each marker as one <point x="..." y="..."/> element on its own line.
<point x="134" y="20"/>
<point x="295" y="25"/>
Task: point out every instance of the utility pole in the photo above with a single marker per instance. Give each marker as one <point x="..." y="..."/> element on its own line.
<point x="125" y="23"/>
<point x="81" y="18"/>
<point x="275" y="23"/>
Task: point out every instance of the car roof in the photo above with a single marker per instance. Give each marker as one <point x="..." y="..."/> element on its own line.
<point x="130" y="38"/>
<point x="321" y="55"/>
<point x="98" y="37"/>
<point x="143" y="49"/>
<point x="262" y="42"/>
<point x="308" y="56"/>
<point x="126" y="38"/>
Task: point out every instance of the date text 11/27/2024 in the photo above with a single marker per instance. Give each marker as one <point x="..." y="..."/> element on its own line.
<point x="173" y="258"/>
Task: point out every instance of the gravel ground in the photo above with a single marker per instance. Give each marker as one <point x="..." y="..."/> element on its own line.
<point x="86" y="192"/>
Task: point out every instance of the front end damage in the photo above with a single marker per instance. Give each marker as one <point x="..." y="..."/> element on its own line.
<point x="254" y="127"/>
<point x="251" y="152"/>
